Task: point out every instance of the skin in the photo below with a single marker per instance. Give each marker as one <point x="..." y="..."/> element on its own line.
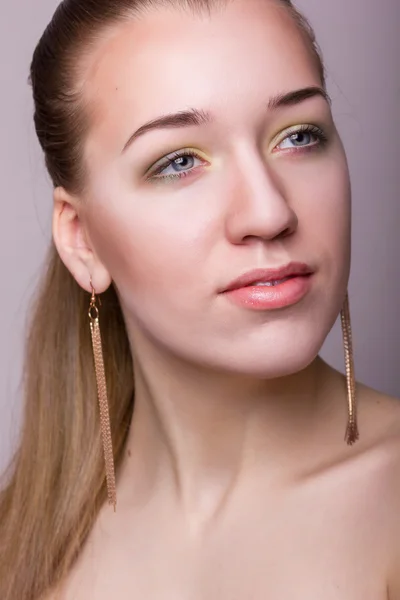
<point x="236" y="481"/>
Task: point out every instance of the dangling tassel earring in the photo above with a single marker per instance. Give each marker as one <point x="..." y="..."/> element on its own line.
<point x="352" y="434"/>
<point x="102" y="398"/>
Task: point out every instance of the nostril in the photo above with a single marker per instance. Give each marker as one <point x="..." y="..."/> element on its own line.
<point x="285" y="232"/>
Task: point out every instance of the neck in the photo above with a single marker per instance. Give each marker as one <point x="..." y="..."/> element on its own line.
<point x="204" y="434"/>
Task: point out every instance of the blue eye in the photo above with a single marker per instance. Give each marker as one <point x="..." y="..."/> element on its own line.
<point x="303" y="137"/>
<point x="183" y="163"/>
<point x="179" y="164"/>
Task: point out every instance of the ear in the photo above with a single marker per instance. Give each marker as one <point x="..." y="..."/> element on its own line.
<point x="73" y="243"/>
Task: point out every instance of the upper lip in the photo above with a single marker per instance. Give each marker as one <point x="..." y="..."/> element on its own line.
<point x="292" y="269"/>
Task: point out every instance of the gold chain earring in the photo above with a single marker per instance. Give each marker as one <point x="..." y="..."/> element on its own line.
<point x="352" y="434"/>
<point x="102" y="398"/>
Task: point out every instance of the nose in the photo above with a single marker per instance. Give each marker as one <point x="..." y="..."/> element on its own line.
<point x="258" y="208"/>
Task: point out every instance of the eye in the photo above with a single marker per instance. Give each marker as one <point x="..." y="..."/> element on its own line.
<point x="176" y="166"/>
<point x="303" y="136"/>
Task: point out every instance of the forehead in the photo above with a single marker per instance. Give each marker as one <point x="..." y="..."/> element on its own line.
<point x="169" y="60"/>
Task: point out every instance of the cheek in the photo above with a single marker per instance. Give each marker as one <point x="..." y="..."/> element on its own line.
<point x="153" y="249"/>
<point x="322" y="201"/>
<point x="325" y="228"/>
<point x="335" y="214"/>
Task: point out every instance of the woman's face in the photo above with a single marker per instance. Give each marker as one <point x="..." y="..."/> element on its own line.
<point x="251" y="193"/>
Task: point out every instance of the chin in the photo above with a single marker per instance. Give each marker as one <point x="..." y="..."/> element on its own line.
<point x="280" y="363"/>
<point x="266" y="358"/>
<point x="284" y="345"/>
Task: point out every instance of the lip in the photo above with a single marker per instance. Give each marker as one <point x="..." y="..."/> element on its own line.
<point x="293" y="269"/>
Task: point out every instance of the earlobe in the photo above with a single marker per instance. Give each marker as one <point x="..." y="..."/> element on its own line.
<point x="73" y="245"/>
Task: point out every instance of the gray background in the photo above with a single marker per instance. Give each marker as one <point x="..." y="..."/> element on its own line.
<point x="360" y="42"/>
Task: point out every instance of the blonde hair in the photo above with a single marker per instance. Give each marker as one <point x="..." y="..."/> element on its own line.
<point x="55" y="484"/>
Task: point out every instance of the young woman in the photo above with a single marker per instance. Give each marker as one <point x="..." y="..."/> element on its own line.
<point x="201" y="256"/>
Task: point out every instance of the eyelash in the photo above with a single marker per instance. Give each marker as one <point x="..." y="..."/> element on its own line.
<point x="170" y="160"/>
<point x="316" y="131"/>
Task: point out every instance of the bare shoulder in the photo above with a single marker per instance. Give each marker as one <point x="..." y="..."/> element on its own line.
<point x="379" y="415"/>
<point x="379" y="424"/>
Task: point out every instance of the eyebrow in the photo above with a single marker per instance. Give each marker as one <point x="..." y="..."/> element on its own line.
<point x="196" y="117"/>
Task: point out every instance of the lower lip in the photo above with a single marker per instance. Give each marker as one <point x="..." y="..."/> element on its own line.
<point x="271" y="297"/>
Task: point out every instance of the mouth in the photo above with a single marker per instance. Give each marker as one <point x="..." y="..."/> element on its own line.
<point x="271" y="283"/>
<point x="270" y="277"/>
